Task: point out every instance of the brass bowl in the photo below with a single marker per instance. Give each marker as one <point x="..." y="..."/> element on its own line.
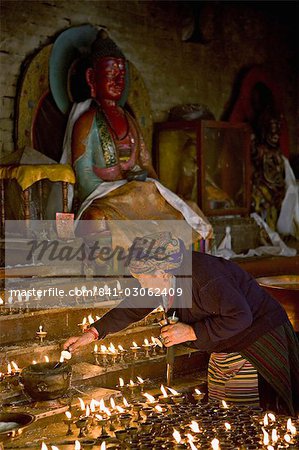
<point x="285" y="289"/>
<point x="281" y="286"/>
<point x="44" y="382"/>
<point x="23" y="419"/>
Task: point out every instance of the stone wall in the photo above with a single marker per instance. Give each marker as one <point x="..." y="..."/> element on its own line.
<point x="149" y="33"/>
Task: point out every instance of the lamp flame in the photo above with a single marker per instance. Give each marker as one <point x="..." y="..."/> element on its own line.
<point x="90" y="319"/>
<point x="194" y="426"/>
<point x="141" y="381"/>
<point x="95" y="348"/>
<point x="224" y="404"/>
<point x="215" y="444"/>
<point x="15" y="366"/>
<point x="134" y="344"/>
<point x="290" y="427"/>
<point x="287" y="438"/>
<point x="274" y="436"/>
<point x="272" y="417"/>
<point x="112" y="402"/>
<point x="227" y="426"/>
<point x="47" y="358"/>
<point x="163" y="390"/>
<point x="9" y="368"/>
<point x="198" y="392"/>
<point x="82" y="404"/>
<point x="126" y="404"/>
<point x="103" y="348"/>
<point x="149" y="398"/>
<point x="87" y="412"/>
<point x="68" y="414"/>
<point x="158" y="408"/>
<point x="103" y="446"/>
<point x="44" y="446"/>
<point x="146" y="342"/>
<point x="172" y="391"/>
<point x="176" y="436"/>
<point x="120" y="409"/>
<point x="77" y="445"/>
<point x="266" y="437"/>
<point x="121" y="382"/>
<point x="120" y="347"/>
<point x="266" y="421"/>
<point x="84" y="321"/>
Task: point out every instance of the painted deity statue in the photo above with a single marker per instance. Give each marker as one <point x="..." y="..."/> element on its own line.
<point x="109" y="154"/>
<point x="268" y="189"/>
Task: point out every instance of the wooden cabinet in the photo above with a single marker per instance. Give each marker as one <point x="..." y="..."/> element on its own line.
<point x="206" y="162"/>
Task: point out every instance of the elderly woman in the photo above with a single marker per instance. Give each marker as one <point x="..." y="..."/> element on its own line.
<point x="221" y="310"/>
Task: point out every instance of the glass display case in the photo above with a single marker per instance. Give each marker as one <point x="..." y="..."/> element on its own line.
<point x="206" y="162"/>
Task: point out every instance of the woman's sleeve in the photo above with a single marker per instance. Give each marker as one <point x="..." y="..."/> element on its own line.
<point x="228" y="313"/>
<point x="129" y="311"/>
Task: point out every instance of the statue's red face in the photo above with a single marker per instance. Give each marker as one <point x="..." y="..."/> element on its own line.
<point x="107" y="78"/>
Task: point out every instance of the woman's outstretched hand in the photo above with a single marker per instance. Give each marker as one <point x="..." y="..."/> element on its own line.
<point x="177" y="333"/>
<point x="75" y="342"/>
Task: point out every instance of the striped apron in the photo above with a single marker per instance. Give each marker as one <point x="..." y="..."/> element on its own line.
<point x="232" y="378"/>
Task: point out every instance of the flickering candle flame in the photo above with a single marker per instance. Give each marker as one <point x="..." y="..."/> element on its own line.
<point x="95" y="348"/>
<point x="103" y="349"/>
<point x="112" y="403"/>
<point x="92" y="406"/>
<point x="40" y="328"/>
<point x="194" y="426"/>
<point x="126" y="404"/>
<point x="158" y="408"/>
<point x="111" y="348"/>
<point x="177" y="436"/>
<point x="227" y="426"/>
<point x="290" y="427"/>
<point x="141" y="381"/>
<point x="84" y="322"/>
<point x="120" y="347"/>
<point x="103" y="446"/>
<point x="102" y="405"/>
<point x="215" y="444"/>
<point x="132" y="383"/>
<point x="68" y="414"/>
<point x="82" y="404"/>
<point x="99" y="417"/>
<point x="1" y="301"/>
<point x="266" y="421"/>
<point x="15" y="366"/>
<point x="192" y="446"/>
<point x="44" y="446"/>
<point x="97" y="317"/>
<point x="272" y="417"/>
<point x="90" y="319"/>
<point x="34" y="362"/>
<point x="274" y="436"/>
<point x="87" y="411"/>
<point x="190" y="437"/>
<point x="54" y="447"/>
<point x="163" y="390"/>
<point x="149" y="398"/>
<point x="146" y="342"/>
<point x="77" y="445"/>
<point x="173" y="391"/>
<point x="120" y="409"/>
<point x="287" y="438"/>
<point x="270" y="447"/>
<point x="224" y="404"/>
<point x="153" y="340"/>
<point x="61" y="359"/>
<point x="47" y="358"/>
<point x="121" y="382"/>
<point x="9" y="370"/>
<point x="266" y="439"/>
<point x="134" y="345"/>
<point x="198" y="392"/>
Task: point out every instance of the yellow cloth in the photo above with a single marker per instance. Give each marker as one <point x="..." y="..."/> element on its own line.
<point x="28" y="174"/>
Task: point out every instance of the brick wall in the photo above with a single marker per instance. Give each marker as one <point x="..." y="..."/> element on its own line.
<point x="149" y="33"/>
